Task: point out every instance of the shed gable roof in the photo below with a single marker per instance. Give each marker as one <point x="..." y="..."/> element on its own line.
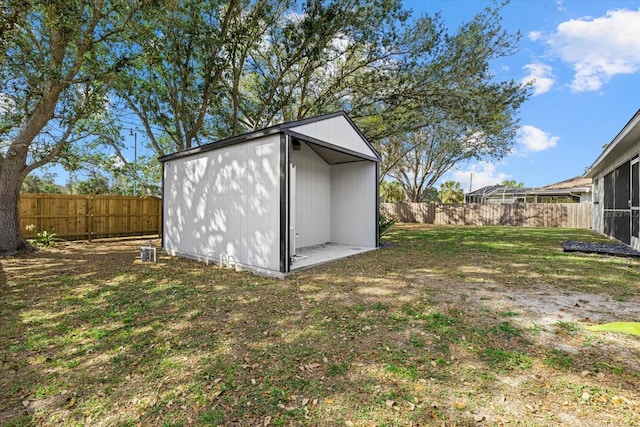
<point x="335" y="131"/>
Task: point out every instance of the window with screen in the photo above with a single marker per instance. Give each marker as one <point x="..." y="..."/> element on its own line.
<point x="635" y="185"/>
<point x="608" y="191"/>
<point x="621" y="184"/>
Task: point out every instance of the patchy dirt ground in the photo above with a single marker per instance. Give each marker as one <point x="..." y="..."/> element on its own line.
<point x="90" y="335"/>
<point x="558" y="317"/>
<point x="557" y="313"/>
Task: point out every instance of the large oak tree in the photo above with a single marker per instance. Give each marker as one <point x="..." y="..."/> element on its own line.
<point x="51" y="77"/>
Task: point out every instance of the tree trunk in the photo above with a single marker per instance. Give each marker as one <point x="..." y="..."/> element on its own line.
<point x="11" y="240"/>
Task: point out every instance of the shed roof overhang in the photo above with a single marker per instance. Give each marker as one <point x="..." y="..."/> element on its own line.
<point x="629" y="135"/>
<point x="331" y="153"/>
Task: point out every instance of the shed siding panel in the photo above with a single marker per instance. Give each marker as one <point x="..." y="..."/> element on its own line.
<point x="337" y="131"/>
<point x="354" y="204"/>
<point x="313" y="197"/>
<point x="225" y="201"/>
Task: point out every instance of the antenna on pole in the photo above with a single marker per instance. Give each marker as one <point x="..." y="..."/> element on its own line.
<point x="135" y="160"/>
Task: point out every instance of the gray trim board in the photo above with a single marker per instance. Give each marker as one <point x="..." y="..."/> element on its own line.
<point x="162" y="215"/>
<point x="219" y="144"/>
<point x="284" y="203"/>
<point x="309" y="120"/>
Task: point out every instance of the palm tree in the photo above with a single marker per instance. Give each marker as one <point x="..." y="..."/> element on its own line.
<point x="392" y="192"/>
<point x="511" y="183"/>
<point x="451" y="192"/>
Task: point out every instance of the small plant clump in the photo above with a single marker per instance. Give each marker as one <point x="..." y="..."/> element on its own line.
<point x="385" y="224"/>
<point x="43" y="238"/>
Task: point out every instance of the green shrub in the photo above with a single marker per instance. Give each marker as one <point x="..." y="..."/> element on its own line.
<point x="43" y="238"/>
<point x="385" y="224"/>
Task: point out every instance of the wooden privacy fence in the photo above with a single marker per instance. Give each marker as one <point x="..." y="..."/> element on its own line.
<point x="86" y="217"/>
<point x="565" y="215"/>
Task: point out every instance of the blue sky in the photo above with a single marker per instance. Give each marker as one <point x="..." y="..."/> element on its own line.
<point x="584" y="56"/>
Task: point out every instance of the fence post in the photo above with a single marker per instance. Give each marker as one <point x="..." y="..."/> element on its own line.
<point x="90" y="209"/>
<point x="160" y="219"/>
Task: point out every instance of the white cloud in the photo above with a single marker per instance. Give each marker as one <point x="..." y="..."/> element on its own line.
<point x="599" y="48"/>
<point x="534" y="35"/>
<point x="116" y="162"/>
<point x="292" y="16"/>
<point x="534" y="139"/>
<point x="477" y="176"/>
<point x="542" y="77"/>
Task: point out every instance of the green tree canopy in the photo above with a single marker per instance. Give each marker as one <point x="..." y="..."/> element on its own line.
<point x="41" y="184"/>
<point x="512" y="183"/>
<point x="74" y="72"/>
<point x="95" y="184"/>
<point x="53" y="75"/>
<point x="391" y="192"/>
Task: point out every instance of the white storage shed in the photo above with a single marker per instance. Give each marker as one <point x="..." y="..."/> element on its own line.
<point x="275" y="200"/>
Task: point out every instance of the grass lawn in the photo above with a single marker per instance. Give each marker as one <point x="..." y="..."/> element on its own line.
<point x="445" y="326"/>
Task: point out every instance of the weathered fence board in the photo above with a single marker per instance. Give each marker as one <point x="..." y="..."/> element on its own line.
<point x="86" y="217"/>
<point x="565" y="215"/>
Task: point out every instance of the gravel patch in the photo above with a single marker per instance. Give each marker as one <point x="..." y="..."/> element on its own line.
<point x="600" y="248"/>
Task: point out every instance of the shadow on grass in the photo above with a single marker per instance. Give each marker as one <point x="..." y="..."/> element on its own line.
<point x="97" y="337"/>
<point x="11" y="411"/>
<point x="518" y="256"/>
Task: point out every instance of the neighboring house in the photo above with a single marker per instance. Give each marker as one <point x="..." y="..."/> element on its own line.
<point x="616" y="186"/>
<point x="274" y="200"/>
<point x="497" y="194"/>
<point x="574" y="190"/>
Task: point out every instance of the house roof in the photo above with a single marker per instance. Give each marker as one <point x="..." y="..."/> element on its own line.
<point x="331" y="152"/>
<point x="570" y="186"/>
<point x="575" y="184"/>
<point x="629" y="134"/>
<point x="498" y="189"/>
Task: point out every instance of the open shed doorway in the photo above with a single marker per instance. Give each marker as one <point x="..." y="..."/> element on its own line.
<point x="330" y="211"/>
